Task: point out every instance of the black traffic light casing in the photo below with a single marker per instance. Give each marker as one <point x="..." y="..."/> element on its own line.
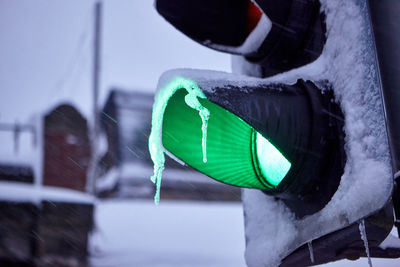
<point x="306" y="124"/>
<point x="292" y="35"/>
<point x="301" y="120"/>
<point x="385" y="23"/>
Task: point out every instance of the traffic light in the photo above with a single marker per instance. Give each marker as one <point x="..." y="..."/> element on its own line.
<point x="309" y="146"/>
<point x="277" y="37"/>
<point x="278" y="138"/>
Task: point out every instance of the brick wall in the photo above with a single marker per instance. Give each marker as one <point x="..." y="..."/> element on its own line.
<point x="66" y="149"/>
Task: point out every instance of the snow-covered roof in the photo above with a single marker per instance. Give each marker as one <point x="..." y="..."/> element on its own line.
<point x="130" y="99"/>
<point x="22" y="192"/>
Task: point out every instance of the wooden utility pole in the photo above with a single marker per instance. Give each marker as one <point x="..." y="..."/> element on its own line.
<point x="98" y="8"/>
<point x="96" y="64"/>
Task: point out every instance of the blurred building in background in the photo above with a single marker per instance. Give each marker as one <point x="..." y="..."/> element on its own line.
<point x="20" y="173"/>
<point x="66" y="148"/>
<point x="126" y="165"/>
<point x="46" y="214"/>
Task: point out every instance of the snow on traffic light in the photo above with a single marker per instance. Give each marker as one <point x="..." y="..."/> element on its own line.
<point x="229" y="140"/>
<point x="283" y="139"/>
<point x="309" y="146"/>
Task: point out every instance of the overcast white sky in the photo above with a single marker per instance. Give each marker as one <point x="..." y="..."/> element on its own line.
<point x="46" y="52"/>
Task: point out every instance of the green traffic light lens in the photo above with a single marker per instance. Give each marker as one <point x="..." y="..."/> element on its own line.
<point x="236" y="154"/>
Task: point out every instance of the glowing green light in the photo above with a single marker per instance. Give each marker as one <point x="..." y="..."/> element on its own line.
<point x="236" y="153"/>
<point x="274" y="166"/>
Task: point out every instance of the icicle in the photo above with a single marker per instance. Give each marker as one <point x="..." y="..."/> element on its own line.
<point x="205" y="115"/>
<point x="155" y="141"/>
<point x="156" y="178"/>
<point x="311" y="250"/>
<point x="192" y="101"/>
<point x="363" y="234"/>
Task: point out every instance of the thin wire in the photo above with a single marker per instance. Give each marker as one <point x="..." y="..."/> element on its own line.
<point x="75" y="61"/>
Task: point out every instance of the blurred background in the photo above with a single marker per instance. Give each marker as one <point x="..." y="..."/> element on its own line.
<point x="78" y="80"/>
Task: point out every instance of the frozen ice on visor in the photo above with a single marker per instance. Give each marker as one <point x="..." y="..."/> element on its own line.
<point x="157" y="151"/>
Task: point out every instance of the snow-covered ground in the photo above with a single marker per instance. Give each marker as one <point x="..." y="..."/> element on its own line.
<point x="139" y="233"/>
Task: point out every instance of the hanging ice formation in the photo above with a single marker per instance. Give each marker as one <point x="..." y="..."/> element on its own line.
<point x="311" y="250"/>
<point x="363" y="234"/>
<point x="192" y="101"/>
<point x="157" y="151"/>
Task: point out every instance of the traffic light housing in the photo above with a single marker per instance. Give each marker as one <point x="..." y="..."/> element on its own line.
<point x="286" y="140"/>
<point x="331" y="131"/>
<point x="275" y="36"/>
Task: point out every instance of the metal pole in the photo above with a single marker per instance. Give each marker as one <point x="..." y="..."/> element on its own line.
<point x="385" y="21"/>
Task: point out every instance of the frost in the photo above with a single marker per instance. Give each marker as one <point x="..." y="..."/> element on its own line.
<point x="157" y="151"/>
<point x="269" y="225"/>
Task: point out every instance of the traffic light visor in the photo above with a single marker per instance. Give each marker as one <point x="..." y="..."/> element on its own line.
<point x="234" y="152"/>
<point x="224" y="25"/>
